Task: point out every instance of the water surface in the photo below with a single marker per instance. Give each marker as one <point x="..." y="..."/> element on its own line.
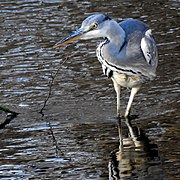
<point x="78" y="136"/>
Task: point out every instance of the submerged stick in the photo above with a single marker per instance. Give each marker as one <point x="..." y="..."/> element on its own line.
<point x="55" y="141"/>
<point x="5" y="109"/>
<point x="51" y="81"/>
<point x="10" y="116"/>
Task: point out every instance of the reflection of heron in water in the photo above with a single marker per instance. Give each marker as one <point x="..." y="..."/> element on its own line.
<point x="136" y="157"/>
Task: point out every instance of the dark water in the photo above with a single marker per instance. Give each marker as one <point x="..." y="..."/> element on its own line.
<point x="78" y="136"/>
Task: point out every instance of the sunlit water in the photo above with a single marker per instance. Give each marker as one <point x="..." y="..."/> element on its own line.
<point x="78" y="136"/>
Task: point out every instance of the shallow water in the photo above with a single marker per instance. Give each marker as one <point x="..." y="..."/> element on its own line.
<point x="77" y="138"/>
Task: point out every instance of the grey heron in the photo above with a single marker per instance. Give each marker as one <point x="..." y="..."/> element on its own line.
<point x="128" y="54"/>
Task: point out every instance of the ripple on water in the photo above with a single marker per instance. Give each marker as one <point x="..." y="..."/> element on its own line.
<point x="81" y="109"/>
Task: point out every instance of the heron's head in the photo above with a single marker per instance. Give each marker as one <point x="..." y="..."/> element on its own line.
<point x="92" y="27"/>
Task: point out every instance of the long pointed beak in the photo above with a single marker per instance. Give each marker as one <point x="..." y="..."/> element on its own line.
<point x="72" y="37"/>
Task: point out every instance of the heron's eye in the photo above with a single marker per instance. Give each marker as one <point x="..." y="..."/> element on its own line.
<point x="94" y="26"/>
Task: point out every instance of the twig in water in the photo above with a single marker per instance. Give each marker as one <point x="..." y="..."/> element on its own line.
<point x="51" y="81"/>
<point x="5" y="109"/>
<point x="55" y="141"/>
<point x="10" y="116"/>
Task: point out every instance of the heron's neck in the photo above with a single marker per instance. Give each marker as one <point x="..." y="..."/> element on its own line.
<point x="116" y="37"/>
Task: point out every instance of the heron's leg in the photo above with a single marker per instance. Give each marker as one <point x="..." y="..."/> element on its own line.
<point x="133" y="92"/>
<point x="117" y="88"/>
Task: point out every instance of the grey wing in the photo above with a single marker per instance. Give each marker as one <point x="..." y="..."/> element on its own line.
<point x="148" y="47"/>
